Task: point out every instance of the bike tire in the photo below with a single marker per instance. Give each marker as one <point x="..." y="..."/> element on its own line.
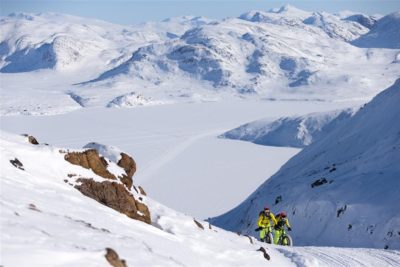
<point x="269" y="238"/>
<point x="289" y="240"/>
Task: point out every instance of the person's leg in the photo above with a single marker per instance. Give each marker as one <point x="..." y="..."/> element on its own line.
<point x="277" y="235"/>
<point x="262" y="234"/>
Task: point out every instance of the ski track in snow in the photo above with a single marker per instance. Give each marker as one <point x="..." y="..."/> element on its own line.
<point x="168" y="155"/>
<point x="344" y="257"/>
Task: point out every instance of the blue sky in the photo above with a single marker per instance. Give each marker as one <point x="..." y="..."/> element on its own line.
<point x="135" y="11"/>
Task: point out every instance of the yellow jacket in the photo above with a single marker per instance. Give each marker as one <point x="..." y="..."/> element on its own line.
<point x="265" y="221"/>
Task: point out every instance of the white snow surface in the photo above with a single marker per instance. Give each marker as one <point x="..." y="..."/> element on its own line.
<point x="176" y="146"/>
<point x="297" y="131"/>
<point x="46" y="222"/>
<point x="53" y="63"/>
<point x="343" y="189"/>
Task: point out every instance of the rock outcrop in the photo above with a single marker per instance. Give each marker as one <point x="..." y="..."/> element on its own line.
<point x="114" y="191"/>
<point x="90" y="159"/>
<point x="31" y="139"/>
<point x="120" y="158"/>
<point x="113" y="258"/>
<point x="129" y="165"/>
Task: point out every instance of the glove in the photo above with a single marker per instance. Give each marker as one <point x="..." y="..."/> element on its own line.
<point x="289" y="229"/>
<point x="276" y="227"/>
<point x="258" y="229"/>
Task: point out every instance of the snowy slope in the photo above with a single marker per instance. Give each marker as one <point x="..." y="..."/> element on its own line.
<point x="334" y="26"/>
<point x="46" y="222"/>
<point x="281" y="54"/>
<point x="298" y="131"/>
<point x="342" y="190"/>
<point x="384" y="34"/>
<point x="254" y="59"/>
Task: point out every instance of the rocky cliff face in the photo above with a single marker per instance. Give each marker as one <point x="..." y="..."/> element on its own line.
<point x="114" y="191"/>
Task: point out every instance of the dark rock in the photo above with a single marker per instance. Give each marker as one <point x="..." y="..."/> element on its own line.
<point x="17" y="164"/>
<point x="341" y="211"/>
<point x="278" y="199"/>
<point x="266" y="255"/>
<point x="198" y="224"/>
<point x="319" y="182"/>
<point x="349" y="227"/>
<point x="115" y="196"/>
<point x="113" y="258"/>
<point x="141" y="190"/>
<point x="32" y="140"/>
<point x="33" y="207"/>
<point x="90" y="159"/>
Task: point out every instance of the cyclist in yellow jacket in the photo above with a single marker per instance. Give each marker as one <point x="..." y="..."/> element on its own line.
<point x="282" y="221"/>
<point x="264" y="223"/>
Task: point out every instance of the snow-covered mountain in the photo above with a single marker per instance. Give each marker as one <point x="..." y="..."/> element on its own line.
<point x="385" y="33"/>
<point x="299" y="131"/>
<point x="343" y="189"/>
<point x="346" y="29"/>
<point x="46" y="221"/>
<point x="283" y="53"/>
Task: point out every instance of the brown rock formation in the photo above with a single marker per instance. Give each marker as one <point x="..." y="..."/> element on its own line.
<point x="128" y="164"/>
<point x="141" y="190"/>
<point x="112" y="194"/>
<point x="90" y="159"/>
<point x="113" y="258"/>
<point x="115" y="196"/>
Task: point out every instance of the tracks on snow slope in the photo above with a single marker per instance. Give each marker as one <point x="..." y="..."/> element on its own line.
<point x="345" y="257"/>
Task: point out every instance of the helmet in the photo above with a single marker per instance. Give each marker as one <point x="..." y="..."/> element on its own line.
<point x="266" y="208"/>
<point x="282" y="214"/>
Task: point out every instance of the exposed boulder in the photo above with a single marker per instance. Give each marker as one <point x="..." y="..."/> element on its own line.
<point x="17" y="164"/>
<point x="90" y="159"/>
<point x="115" y="196"/>
<point x="31" y="139"/>
<point x="141" y="190"/>
<point x="113" y="258"/>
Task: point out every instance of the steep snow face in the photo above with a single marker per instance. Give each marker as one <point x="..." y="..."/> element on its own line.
<point x="365" y="20"/>
<point x="341" y="190"/>
<point x="46" y="222"/>
<point x="298" y="131"/>
<point x="384" y="34"/>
